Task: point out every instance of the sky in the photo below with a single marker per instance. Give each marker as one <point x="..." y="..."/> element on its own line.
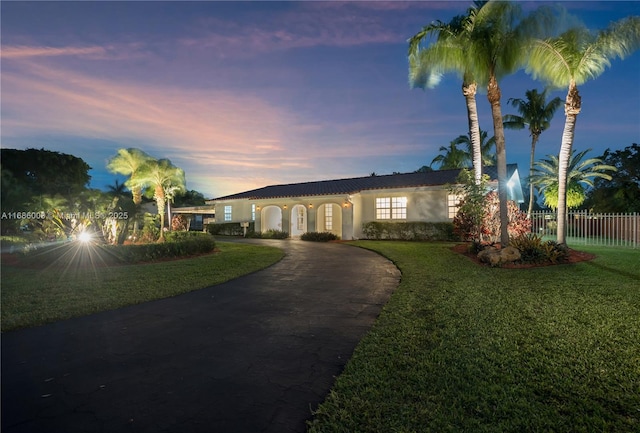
<point x="242" y="95"/>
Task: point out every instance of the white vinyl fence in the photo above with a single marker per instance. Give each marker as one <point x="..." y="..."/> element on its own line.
<point x="584" y="228"/>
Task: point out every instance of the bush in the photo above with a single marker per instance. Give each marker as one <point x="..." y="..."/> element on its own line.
<point x="319" y="236"/>
<point x="410" y="231"/>
<point x="230" y="229"/>
<point x="466" y="223"/>
<point x="274" y="234"/>
<point x="534" y="250"/>
<point x="177" y="244"/>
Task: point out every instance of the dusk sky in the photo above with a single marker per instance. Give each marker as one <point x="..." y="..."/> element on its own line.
<point x="247" y="94"/>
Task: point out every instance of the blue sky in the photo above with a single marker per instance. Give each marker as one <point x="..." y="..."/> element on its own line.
<point x="247" y="94"/>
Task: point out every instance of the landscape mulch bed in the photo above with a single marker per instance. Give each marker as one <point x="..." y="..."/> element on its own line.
<point x="574" y="257"/>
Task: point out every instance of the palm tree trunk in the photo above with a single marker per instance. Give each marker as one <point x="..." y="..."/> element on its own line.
<point x="493" y="95"/>
<point x="534" y="141"/>
<point x="469" y="92"/>
<point x="160" y="202"/>
<point x="136" y="193"/>
<point x="572" y="107"/>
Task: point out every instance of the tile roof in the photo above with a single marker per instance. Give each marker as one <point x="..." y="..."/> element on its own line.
<point x="357" y="184"/>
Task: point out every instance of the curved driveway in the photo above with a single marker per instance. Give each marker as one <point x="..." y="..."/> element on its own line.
<point x="256" y="354"/>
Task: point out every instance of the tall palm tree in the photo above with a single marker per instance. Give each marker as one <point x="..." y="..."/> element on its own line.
<point x="536" y="113"/>
<point x="497" y="36"/>
<point x="162" y="176"/>
<point x="449" y="53"/>
<point x="488" y="157"/>
<point x="570" y="60"/>
<point x="580" y="174"/>
<point x="128" y="162"/>
<point x="451" y="157"/>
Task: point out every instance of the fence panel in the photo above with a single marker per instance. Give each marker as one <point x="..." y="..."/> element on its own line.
<point x="584" y="228"/>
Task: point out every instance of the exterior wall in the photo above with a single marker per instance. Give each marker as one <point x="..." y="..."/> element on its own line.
<point x="349" y="212"/>
<point x="428" y="204"/>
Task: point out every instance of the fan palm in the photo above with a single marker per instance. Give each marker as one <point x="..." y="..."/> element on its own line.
<point x="449" y="53"/>
<point x="536" y="113"/>
<point x="162" y="176"/>
<point x="570" y="60"/>
<point x="580" y="174"/>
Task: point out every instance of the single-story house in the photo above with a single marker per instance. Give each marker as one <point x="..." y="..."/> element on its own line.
<point x="199" y="216"/>
<point x="342" y="206"/>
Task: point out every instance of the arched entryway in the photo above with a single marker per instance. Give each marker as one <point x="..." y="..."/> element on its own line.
<point x="271" y="217"/>
<point x="298" y="221"/>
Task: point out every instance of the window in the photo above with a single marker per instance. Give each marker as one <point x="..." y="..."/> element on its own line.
<point x="383" y="208"/>
<point x="328" y="217"/>
<point x="227" y="213"/>
<point x="453" y="204"/>
<point x="391" y="208"/>
<point x="399" y="208"/>
<point x="253" y="212"/>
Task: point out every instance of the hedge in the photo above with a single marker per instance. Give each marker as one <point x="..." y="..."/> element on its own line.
<point x="409" y="231"/>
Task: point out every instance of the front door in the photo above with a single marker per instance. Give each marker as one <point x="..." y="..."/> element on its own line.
<point x="298" y="221"/>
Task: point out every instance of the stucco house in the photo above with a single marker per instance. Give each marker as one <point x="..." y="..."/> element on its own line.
<point x="342" y="206"/>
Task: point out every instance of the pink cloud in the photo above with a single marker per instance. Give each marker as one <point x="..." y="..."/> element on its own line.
<point x="11" y="52"/>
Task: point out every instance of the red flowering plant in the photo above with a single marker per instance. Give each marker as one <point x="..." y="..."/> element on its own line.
<point x="478" y="216"/>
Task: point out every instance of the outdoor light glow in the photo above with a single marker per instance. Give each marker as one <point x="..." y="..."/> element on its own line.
<point x="84" y="237"/>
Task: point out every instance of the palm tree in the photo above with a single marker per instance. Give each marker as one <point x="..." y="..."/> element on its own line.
<point x="451" y="157"/>
<point x="497" y="36"/>
<point x="580" y="174"/>
<point x="536" y="113"/>
<point x="570" y="60"/>
<point x="128" y="162"/>
<point x="449" y="53"/>
<point x="162" y="176"/>
<point x="486" y="147"/>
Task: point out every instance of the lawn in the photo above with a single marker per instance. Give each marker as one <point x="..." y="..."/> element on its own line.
<point x="465" y="348"/>
<point x="32" y="297"/>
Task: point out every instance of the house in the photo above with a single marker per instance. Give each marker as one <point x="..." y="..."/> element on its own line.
<point x="342" y="206"/>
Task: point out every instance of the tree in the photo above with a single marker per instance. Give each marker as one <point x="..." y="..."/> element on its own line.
<point x="162" y="177"/>
<point x="580" y="175"/>
<point x="488" y="157"/>
<point x="497" y="36"/>
<point x="622" y="192"/>
<point x="190" y="198"/>
<point x="449" y="53"/>
<point x="570" y="60"/>
<point x="43" y="172"/>
<point x="535" y="113"/>
<point x="451" y="157"/>
<point x="489" y="45"/>
<point x="129" y="162"/>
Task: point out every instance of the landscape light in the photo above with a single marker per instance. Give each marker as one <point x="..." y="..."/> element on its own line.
<point x="84" y="237"/>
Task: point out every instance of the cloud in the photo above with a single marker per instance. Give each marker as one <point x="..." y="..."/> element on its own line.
<point x="21" y="51"/>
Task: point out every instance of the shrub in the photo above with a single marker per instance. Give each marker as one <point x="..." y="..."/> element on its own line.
<point x="229" y="229"/>
<point x="179" y="222"/>
<point x="534" y="250"/>
<point x="274" y="234"/>
<point x="465" y="222"/>
<point x="412" y="231"/>
<point x="319" y="236"/>
<point x="177" y="244"/>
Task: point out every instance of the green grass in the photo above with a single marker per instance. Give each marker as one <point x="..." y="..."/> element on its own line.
<point x="465" y="348"/>
<point x="32" y="297"/>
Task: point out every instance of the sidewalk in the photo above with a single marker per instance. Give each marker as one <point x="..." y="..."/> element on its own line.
<point x="256" y="354"/>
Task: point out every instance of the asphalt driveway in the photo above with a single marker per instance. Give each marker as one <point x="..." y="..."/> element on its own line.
<point x="256" y="354"/>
